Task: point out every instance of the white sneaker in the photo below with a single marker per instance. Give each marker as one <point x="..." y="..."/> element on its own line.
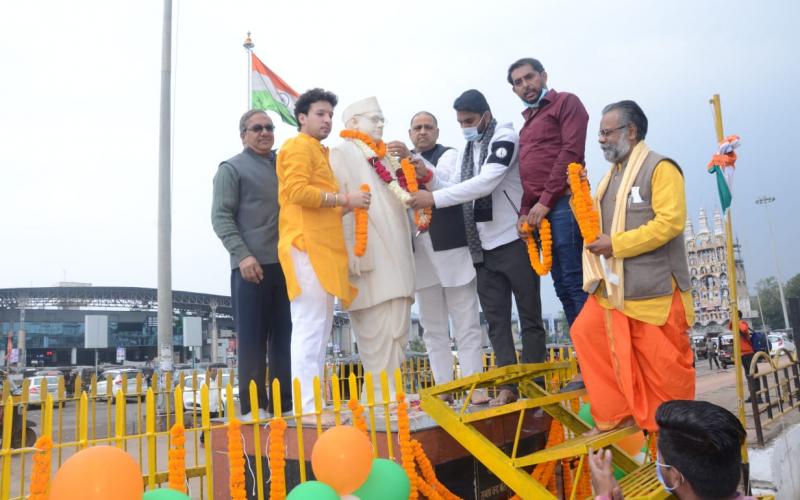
<point x="263" y="416"/>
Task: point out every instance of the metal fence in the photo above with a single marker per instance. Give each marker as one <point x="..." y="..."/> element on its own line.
<point x="138" y="415"/>
<point x="778" y="391"/>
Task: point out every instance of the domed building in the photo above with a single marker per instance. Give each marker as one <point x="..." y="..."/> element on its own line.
<point x="708" y="267"/>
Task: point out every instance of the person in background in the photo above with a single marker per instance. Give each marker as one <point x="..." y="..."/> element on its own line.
<point x="747" y="351"/>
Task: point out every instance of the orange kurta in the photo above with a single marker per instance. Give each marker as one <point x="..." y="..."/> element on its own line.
<point x="630" y="367"/>
<point x="303" y="175"/>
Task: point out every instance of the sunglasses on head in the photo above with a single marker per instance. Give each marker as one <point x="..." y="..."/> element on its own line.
<point x="257" y="129"/>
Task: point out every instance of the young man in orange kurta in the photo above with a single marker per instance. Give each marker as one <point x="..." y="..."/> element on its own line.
<point x="631" y="335"/>
<point x="311" y="239"/>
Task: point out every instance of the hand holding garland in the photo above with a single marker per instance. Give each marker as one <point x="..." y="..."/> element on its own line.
<point x="543" y="264"/>
<point x="422" y="216"/>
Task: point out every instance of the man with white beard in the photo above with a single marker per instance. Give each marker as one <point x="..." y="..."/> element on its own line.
<point x="631" y="337"/>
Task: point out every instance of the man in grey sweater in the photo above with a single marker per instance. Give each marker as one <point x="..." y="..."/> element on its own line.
<point x="245" y="217"/>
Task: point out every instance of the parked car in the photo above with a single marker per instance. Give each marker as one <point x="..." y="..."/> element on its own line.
<point x="116" y="380"/>
<point x="17" y="426"/>
<point x="192" y="400"/>
<point x="725" y="351"/>
<point x="780" y="341"/>
<point x="35" y="396"/>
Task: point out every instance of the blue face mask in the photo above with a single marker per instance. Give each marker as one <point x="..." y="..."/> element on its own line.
<point x="660" y="476"/>
<point x="471" y="133"/>
<point x="539" y="100"/>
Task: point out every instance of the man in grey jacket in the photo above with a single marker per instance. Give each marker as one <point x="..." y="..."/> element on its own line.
<point x="245" y="217"/>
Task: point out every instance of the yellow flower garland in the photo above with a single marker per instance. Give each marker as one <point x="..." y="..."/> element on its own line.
<point x="406" y="449"/>
<point x="541" y="265"/>
<point x="176" y="462"/>
<point x="361" y="229"/>
<point x="582" y="205"/>
<point x="277" y="459"/>
<point x="359" y="421"/>
<point x="40" y="477"/>
<point x="422" y="217"/>
<point x="235" y="461"/>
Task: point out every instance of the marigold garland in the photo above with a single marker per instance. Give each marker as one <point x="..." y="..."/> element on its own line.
<point x="429" y="475"/>
<point x="422" y="217"/>
<point x="277" y="459"/>
<point x="361" y="223"/>
<point x="40" y="477"/>
<point x="544" y="473"/>
<point x="406" y="449"/>
<point x="375" y="153"/>
<point x="541" y="265"/>
<point x="582" y="205"/>
<point x="236" y="461"/>
<point x="177" y="458"/>
<point x="359" y="421"/>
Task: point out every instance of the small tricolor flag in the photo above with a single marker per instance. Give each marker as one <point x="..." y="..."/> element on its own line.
<point x="722" y="166"/>
<point x="271" y="92"/>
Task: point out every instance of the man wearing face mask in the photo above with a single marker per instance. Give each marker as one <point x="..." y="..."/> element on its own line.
<point x="486" y="180"/>
<point x="554" y="135"/>
<point x="630" y="336"/>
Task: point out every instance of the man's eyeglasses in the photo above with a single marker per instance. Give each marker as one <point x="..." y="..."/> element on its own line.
<point x="257" y="129"/>
<point x="605" y="132"/>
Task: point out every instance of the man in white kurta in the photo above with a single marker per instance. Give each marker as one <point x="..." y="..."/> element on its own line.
<point x="384" y="275"/>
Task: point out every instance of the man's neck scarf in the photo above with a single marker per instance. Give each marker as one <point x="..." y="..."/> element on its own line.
<point x="481" y="209"/>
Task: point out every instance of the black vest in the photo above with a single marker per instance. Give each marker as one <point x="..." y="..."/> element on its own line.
<point x="447" y="224"/>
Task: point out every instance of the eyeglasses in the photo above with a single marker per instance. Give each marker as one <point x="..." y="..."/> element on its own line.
<point x="605" y="132"/>
<point x="257" y="129"/>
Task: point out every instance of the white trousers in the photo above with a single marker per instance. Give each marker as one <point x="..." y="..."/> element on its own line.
<point x="312" y="320"/>
<point x="460" y="303"/>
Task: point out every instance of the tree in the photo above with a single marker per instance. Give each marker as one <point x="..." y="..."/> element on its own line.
<point x="767" y="290"/>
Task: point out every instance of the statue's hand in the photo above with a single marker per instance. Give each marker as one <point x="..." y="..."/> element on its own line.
<point x="398" y="148"/>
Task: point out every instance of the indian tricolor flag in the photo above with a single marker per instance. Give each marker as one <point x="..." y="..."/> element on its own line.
<point x="271" y="92"/>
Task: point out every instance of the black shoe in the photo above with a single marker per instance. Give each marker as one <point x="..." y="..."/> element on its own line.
<point x="575" y="385"/>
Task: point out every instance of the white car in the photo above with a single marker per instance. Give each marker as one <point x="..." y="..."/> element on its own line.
<point x="116" y="383"/>
<point x="780" y="341"/>
<point x="35" y="388"/>
<point x="192" y="400"/>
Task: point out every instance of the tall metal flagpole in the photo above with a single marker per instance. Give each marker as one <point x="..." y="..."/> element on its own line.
<point x="248" y="45"/>
<point x="164" y="199"/>
<point x="734" y="306"/>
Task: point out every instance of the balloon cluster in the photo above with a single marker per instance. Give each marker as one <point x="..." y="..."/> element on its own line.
<point x="344" y="469"/>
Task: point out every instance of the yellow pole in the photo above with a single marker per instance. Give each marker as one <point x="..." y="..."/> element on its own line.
<point x="734" y="306"/>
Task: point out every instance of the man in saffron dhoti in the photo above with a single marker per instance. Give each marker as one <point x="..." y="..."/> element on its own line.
<point x="384" y="275"/>
<point x="311" y="246"/>
<point x="631" y="337"/>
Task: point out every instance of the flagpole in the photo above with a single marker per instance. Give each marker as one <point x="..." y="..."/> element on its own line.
<point x="248" y="45"/>
<point x="734" y="302"/>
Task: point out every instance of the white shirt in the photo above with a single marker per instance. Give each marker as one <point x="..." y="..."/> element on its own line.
<point x="491" y="177"/>
<point x="448" y="268"/>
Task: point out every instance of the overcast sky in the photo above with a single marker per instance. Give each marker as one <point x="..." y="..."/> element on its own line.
<point x="79" y="108"/>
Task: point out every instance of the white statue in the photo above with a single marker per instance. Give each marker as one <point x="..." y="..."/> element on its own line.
<point x="384" y="275"/>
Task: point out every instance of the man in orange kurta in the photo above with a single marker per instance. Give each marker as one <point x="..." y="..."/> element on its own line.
<point x="311" y="246"/>
<point x="631" y="336"/>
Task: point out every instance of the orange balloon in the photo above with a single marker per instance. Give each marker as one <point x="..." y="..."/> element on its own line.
<point x="342" y="458"/>
<point x="98" y="473"/>
<point x="632" y="444"/>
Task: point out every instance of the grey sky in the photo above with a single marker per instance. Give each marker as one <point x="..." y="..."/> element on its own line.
<point x="79" y="108"/>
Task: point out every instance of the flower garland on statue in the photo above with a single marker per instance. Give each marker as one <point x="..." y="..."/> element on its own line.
<point x="582" y="204"/>
<point x="376" y="153"/>
<point x="176" y="462"/>
<point x="40" y="477"/>
<point x="541" y="265"/>
<point x="422" y="217"/>
<point x="236" y="461"/>
<point x="361" y="221"/>
<point x="277" y="459"/>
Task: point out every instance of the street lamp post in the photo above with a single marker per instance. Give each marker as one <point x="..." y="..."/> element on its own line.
<point x="765" y="201"/>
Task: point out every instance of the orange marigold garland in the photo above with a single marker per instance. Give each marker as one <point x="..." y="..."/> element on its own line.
<point x="362" y="223"/>
<point x="429" y="475"/>
<point x="378" y="147"/>
<point x="40" y="477"/>
<point x="236" y="461"/>
<point x="406" y="449"/>
<point x="422" y="217"/>
<point x="177" y="458"/>
<point x="543" y="264"/>
<point x="277" y="459"/>
<point x="359" y="421"/>
<point x="582" y="205"/>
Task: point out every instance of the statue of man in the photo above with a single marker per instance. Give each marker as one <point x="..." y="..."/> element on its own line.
<point x="384" y="274"/>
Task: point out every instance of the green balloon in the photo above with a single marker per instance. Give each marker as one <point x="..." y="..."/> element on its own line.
<point x="312" y="490"/>
<point x="386" y="481"/>
<point x="585" y="414"/>
<point x="165" y="494"/>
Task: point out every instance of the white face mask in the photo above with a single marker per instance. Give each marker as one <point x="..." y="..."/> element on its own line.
<point x="471" y="133"/>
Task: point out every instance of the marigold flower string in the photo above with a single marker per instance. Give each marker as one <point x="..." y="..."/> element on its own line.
<point x="277" y="459"/>
<point x="177" y="458"/>
<point x="362" y="224"/>
<point x="406" y="449"/>
<point x="40" y="477"/>
<point x="359" y="421"/>
<point x="236" y="461"/>
<point x="544" y="473"/>
<point x="541" y="265"/>
<point x="375" y="154"/>
<point x="429" y="475"/>
<point x="585" y="213"/>
<point x="422" y="217"/>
